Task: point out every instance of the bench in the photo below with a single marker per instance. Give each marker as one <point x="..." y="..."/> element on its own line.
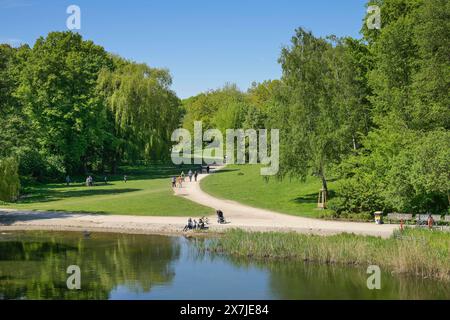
<point x="395" y="216"/>
<point x="422" y="219"/>
<point x="203" y="169"/>
<point x="436" y="217"/>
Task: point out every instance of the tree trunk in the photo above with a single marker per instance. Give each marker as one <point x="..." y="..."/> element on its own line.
<point x="324" y="179"/>
<point x="355" y="146"/>
<point x="324" y="183"/>
<point x="85" y="168"/>
<point x="114" y="166"/>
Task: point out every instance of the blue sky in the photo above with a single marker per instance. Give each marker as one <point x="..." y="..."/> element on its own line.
<point x="204" y="44"/>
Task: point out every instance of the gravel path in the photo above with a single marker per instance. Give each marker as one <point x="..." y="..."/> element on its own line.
<point x="250" y="218"/>
<point x="236" y="214"/>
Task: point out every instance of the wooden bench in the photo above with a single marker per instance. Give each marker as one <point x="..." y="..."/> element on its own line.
<point x="395" y="216"/>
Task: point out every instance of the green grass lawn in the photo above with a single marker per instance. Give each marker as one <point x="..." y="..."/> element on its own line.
<point x="243" y="183"/>
<point x="147" y="193"/>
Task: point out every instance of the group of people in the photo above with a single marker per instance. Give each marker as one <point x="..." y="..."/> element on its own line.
<point x="203" y="221"/>
<point x="194" y="225"/>
<point x="178" y="181"/>
<point x="90" y="180"/>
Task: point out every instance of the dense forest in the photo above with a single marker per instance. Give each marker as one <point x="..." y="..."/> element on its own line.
<point x="373" y="113"/>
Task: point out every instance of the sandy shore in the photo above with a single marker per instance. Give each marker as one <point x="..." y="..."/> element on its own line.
<point x="236" y="214"/>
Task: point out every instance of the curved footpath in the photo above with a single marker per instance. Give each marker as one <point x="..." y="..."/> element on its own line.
<point x="237" y="215"/>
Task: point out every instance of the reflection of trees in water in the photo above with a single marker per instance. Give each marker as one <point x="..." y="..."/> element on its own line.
<point x="35" y="267"/>
<point x="300" y="280"/>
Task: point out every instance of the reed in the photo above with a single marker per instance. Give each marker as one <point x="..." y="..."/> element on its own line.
<point x="423" y="253"/>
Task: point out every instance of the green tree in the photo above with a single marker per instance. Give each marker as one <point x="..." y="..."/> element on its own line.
<point x="224" y="108"/>
<point x="58" y="92"/>
<point x="9" y="179"/>
<point x="141" y="110"/>
<point x="326" y="104"/>
<point x="404" y="161"/>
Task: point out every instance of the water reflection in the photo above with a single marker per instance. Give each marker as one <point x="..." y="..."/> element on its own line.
<point x="33" y="265"/>
<point x="114" y="266"/>
<point x="301" y="281"/>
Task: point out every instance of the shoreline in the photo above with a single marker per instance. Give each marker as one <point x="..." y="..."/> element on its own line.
<point x="51" y="228"/>
<point x="15" y="220"/>
<point x="237" y="215"/>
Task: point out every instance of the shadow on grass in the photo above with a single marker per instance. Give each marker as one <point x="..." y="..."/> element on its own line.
<point x="140" y="172"/>
<point x="155" y="171"/>
<point x="312" y="197"/>
<point x="47" y="195"/>
<point x="9" y="218"/>
<point x="225" y="171"/>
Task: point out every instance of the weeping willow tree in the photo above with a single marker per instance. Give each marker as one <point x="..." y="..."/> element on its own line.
<point x="142" y="111"/>
<point x="9" y="179"/>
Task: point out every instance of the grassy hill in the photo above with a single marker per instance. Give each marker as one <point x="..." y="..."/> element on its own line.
<point x="243" y="183"/>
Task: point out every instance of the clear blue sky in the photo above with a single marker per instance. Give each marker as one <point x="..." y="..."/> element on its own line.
<point x="204" y="43"/>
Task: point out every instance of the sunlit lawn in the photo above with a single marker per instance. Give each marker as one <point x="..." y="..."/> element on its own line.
<point x="243" y="183"/>
<point x="147" y="192"/>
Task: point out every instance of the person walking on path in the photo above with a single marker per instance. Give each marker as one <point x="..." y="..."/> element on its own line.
<point x="195" y="175"/>
<point x="182" y="175"/>
<point x="430" y="222"/>
<point x="180" y="182"/>
<point x="174" y="182"/>
<point x="190" y="175"/>
<point x="207" y="169"/>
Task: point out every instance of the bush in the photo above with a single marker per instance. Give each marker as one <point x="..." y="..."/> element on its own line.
<point x="328" y="214"/>
<point x="39" y="165"/>
<point x="9" y="180"/>
<point x="357" y="195"/>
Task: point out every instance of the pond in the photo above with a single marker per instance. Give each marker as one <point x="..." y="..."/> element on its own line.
<point x="33" y="265"/>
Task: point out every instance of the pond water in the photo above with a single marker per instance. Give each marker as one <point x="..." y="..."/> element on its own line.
<point x="33" y="265"/>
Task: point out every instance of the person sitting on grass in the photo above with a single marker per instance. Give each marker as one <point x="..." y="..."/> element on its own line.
<point x="201" y="224"/>
<point x="188" y="226"/>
